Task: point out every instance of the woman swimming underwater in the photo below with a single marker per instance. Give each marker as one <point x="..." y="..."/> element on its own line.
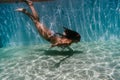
<point x="56" y="39"/>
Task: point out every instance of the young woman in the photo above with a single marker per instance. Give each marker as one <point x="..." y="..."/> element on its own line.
<point x="61" y="40"/>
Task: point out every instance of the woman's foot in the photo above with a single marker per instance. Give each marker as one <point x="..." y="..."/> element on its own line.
<point x="28" y="2"/>
<point x="21" y="10"/>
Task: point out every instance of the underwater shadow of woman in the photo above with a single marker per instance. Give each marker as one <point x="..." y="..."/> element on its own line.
<point x="61" y="52"/>
<point x="68" y="54"/>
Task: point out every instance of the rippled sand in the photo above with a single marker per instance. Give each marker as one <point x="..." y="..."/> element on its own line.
<point x="88" y="61"/>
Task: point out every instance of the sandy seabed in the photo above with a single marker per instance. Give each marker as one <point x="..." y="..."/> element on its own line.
<point x="87" y="61"/>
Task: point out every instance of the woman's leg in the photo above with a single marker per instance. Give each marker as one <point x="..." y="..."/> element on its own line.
<point x="25" y="12"/>
<point x="34" y="13"/>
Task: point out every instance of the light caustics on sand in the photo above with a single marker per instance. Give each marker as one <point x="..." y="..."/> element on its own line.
<point x="90" y="61"/>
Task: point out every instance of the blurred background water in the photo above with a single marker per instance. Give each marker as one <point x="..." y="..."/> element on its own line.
<point x="96" y="57"/>
<point x="95" y="20"/>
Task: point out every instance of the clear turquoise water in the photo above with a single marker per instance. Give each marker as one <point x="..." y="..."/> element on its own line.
<point x="88" y="61"/>
<point x="95" y="20"/>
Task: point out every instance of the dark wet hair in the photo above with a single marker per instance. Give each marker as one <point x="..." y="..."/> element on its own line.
<point x="70" y="34"/>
